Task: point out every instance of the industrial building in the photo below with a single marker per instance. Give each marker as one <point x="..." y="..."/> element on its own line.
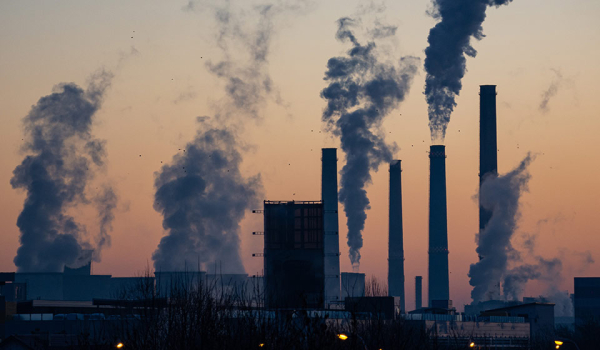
<point x="586" y="299"/>
<point x="540" y="317"/>
<point x="353" y="285"/>
<point x="294" y="254"/>
<point x="460" y="331"/>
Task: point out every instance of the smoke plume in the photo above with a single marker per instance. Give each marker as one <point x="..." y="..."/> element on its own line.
<point x="499" y="195"/>
<point x="445" y="61"/>
<point x="203" y="197"/>
<point x="245" y="43"/>
<point x="362" y="90"/>
<point x="551" y="273"/>
<point x="551" y="91"/>
<point x="62" y="155"/>
<point x="516" y="278"/>
<point x="106" y="202"/>
<point x="202" y="194"/>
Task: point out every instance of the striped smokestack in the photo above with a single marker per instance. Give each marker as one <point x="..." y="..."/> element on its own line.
<point x="488" y="146"/>
<point x="396" y="245"/>
<point x="438" y="284"/>
<point x="329" y="195"/>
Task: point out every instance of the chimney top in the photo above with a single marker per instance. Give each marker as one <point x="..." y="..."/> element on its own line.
<point x="437" y="151"/>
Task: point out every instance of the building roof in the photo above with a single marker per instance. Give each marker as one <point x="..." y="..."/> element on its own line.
<point x="14" y="342"/>
<point x="519" y="306"/>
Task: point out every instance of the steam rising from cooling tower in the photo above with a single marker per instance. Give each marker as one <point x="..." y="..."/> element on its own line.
<point x="361" y="92"/>
<point x="499" y="195"/>
<point x="62" y="158"/>
<point x="202" y="194"/>
<point x="445" y="61"/>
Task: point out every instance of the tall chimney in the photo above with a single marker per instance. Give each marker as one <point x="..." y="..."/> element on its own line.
<point x="488" y="146"/>
<point x="418" y="292"/>
<point x="488" y="150"/>
<point x="396" y="245"/>
<point x="438" y="284"/>
<point x="331" y="243"/>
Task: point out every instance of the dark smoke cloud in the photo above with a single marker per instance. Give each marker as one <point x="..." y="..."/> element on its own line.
<point x="203" y="197"/>
<point x="445" y="62"/>
<point x="361" y="92"/>
<point x="552" y="90"/>
<point x="500" y="195"/>
<point x="203" y="203"/>
<point x="62" y="154"/>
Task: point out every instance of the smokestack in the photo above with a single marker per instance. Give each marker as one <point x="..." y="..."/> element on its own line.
<point x="488" y="145"/>
<point x="396" y="245"/>
<point x="488" y="151"/>
<point x="329" y="196"/>
<point x="438" y="284"/>
<point x="418" y="292"/>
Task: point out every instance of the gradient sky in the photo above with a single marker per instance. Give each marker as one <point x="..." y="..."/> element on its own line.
<point x="162" y="85"/>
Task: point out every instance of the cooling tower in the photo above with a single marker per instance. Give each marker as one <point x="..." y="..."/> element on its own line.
<point x="438" y="282"/>
<point x="488" y="146"/>
<point x="353" y="284"/>
<point x="418" y="292"/>
<point x="395" y="244"/>
<point x="329" y="196"/>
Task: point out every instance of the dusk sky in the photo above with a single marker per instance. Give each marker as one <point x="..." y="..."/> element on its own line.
<point x="534" y="51"/>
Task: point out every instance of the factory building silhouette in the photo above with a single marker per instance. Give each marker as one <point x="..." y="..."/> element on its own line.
<point x="294" y="254"/>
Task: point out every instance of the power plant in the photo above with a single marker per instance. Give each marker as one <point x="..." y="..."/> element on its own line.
<point x="301" y="268"/>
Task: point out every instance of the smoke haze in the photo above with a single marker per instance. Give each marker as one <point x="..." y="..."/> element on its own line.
<point x="552" y="90"/>
<point x="500" y="195"/>
<point x="202" y="194"/>
<point x="501" y="262"/>
<point x="445" y="61"/>
<point x="362" y="90"/>
<point x="62" y="156"/>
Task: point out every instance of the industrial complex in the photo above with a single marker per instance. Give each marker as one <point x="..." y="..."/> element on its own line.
<point x="302" y="272"/>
